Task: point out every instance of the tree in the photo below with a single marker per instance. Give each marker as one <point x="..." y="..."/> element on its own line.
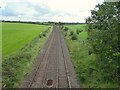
<point x="103" y="28"/>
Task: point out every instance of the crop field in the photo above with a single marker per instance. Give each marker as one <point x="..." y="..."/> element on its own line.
<point x="85" y="63"/>
<point x="16" y="35"/>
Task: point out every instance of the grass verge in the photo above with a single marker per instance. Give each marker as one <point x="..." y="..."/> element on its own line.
<point x="0" y="55"/>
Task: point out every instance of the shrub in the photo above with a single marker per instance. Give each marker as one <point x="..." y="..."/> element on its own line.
<point x="44" y="34"/>
<point x="40" y="36"/>
<point x="66" y="29"/>
<point x="78" y="31"/>
<point x="74" y="36"/>
<point x="46" y="31"/>
<point x="71" y="33"/>
<point x="65" y="34"/>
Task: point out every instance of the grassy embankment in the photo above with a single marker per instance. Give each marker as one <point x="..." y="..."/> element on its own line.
<point x="85" y="63"/>
<point x="0" y="55"/>
<point x="21" y="45"/>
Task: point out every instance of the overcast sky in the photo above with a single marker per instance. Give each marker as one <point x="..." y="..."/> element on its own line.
<point x="47" y="10"/>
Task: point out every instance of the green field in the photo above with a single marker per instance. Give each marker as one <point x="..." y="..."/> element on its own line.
<point x="75" y="27"/>
<point x="21" y="45"/>
<point x="85" y="64"/>
<point x="83" y="34"/>
<point x="16" y="35"/>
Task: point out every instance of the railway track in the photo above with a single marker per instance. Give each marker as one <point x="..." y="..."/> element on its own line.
<point x="53" y="69"/>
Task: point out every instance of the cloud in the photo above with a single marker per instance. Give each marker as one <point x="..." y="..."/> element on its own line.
<point x="48" y="10"/>
<point x="21" y="8"/>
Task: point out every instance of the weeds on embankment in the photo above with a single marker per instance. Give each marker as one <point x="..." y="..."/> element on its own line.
<point x="18" y="65"/>
<point x="84" y="61"/>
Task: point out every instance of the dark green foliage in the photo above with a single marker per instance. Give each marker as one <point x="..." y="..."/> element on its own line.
<point x="71" y="33"/>
<point x="66" y="29"/>
<point x="103" y="28"/>
<point x="90" y="52"/>
<point x="74" y="36"/>
<point x="78" y="31"/>
<point x="65" y="34"/>
<point x="40" y="36"/>
<point x="44" y="34"/>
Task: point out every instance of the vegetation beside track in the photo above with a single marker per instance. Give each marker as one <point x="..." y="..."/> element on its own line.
<point x="85" y="62"/>
<point x="96" y="58"/>
<point x="17" y="65"/>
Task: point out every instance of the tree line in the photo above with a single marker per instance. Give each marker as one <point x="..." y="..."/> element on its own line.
<point x="28" y="22"/>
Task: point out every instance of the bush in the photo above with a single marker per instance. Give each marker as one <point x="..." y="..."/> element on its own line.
<point x="40" y="36"/>
<point x="78" y="31"/>
<point x="74" y="37"/>
<point x="44" y="34"/>
<point x="71" y="33"/>
<point x="65" y="34"/>
<point x="66" y="29"/>
<point x="46" y="31"/>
